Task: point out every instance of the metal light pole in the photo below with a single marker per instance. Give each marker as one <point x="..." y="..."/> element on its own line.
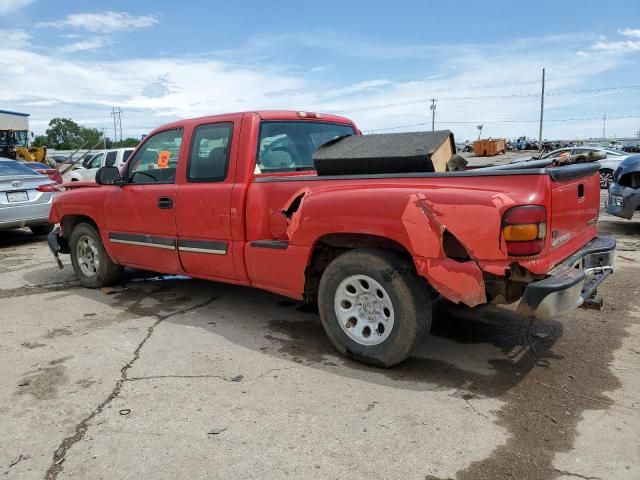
<point x="541" y="112"/>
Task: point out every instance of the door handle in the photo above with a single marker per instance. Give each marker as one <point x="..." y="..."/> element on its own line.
<point x="165" y="202"/>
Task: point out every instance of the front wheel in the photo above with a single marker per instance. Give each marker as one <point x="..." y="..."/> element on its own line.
<point x="606" y="178"/>
<point x="373" y="306"/>
<point x="90" y="261"/>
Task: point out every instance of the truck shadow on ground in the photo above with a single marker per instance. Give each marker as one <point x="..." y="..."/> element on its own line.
<point x="484" y="352"/>
<point x="16" y="238"/>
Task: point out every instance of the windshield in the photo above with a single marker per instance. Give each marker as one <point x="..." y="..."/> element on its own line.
<point x="289" y="146"/>
<point x="13" y="137"/>
<point x="9" y="168"/>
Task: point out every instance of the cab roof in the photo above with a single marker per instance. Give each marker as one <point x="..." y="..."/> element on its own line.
<point x="285" y="115"/>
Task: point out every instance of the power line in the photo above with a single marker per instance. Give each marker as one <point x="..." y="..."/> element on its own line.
<point x="496" y="97"/>
<point x="469" y="122"/>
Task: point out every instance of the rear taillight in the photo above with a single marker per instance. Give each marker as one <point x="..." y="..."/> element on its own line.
<point x="49" y="187"/>
<point x="55" y="176"/>
<point x="524" y="229"/>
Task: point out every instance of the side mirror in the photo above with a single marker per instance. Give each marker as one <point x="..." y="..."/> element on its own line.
<point x="108" y="176"/>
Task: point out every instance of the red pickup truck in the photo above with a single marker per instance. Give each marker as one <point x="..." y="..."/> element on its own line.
<point x="235" y="198"/>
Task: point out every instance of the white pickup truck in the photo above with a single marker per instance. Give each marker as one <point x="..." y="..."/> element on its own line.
<point x="116" y="157"/>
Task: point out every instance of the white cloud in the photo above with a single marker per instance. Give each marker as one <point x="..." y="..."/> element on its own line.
<point x="619" y="46"/>
<point x="104" y="22"/>
<point x="152" y="91"/>
<point x="321" y="68"/>
<point x="14" y="38"/>
<point x="86" y="45"/>
<point x="629" y="44"/>
<point x="9" y="6"/>
<point x="631" y="32"/>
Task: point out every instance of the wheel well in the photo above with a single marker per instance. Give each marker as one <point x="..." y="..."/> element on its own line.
<point x="330" y="246"/>
<point x="69" y="223"/>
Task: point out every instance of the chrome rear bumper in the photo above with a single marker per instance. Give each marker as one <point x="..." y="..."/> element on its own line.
<point x="571" y="283"/>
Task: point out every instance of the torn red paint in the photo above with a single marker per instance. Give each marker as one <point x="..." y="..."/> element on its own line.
<point x="459" y="282"/>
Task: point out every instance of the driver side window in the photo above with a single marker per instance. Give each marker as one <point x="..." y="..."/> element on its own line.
<point x="96" y="161"/>
<point x="157" y="159"/>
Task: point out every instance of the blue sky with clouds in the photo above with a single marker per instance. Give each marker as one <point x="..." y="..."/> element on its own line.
<point x="376" y="63"/>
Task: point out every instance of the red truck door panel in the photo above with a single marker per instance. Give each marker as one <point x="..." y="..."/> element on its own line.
<point x="140" y="216"/>
<point x="203" y="206"/>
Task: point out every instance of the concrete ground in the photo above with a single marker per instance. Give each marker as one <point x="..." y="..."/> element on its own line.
<point x="169" y="378"/>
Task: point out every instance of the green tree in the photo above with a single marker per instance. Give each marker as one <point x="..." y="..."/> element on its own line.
<point x="127" y="142"/>
<point x="40" y="141"/>
<point x="92" y="136"/>
<point x="63" y="134"/>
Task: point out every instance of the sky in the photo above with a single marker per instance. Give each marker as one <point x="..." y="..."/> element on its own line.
<point x="377" y="63"/>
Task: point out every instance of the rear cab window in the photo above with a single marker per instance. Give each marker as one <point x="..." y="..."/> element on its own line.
<point x="288" y="146"/>
<point x="157" y="159"/>
<point x="209" y="153"/>
<point x="110" y="161"/>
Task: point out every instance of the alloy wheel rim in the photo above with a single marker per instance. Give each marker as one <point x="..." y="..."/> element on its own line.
<point x="88" y="256"/>
<point x="364" y="310"/>
<point x="606" y="179"/>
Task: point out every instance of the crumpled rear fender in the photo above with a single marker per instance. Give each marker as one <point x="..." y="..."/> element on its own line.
<point x="415" y="222"/>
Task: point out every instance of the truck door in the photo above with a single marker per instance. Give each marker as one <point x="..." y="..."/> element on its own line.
<point x="203" y="207"/>
<point x="140" y="216"/>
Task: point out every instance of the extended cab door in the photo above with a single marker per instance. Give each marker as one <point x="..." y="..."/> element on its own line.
<point x="203" y="207"/>
<point x="140" y="216"/>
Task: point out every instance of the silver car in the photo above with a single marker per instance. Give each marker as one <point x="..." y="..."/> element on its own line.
<point x="608" y="165"/>
<point x="25" y="197"/>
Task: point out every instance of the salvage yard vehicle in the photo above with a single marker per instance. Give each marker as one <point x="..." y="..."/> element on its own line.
<point x="115" y="157"/>
<point x="608" y="164"/>
<point x="50" y="172"/>
<point x="25" y="197"/>
<point x="238" y="198"/>
<point x="624" y="193"/>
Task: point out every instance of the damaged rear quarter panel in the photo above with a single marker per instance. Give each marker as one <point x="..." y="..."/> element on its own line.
<point x="416" y="216"/>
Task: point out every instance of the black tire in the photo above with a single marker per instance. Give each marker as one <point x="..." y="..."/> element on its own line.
<point x="606" y="178"/>
<point x="41" y="229"/>
<point x="107" y="272"/>
<point x="407" y="292"/>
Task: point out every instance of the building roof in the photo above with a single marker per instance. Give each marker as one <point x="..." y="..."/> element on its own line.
<point x="15" y="113"/>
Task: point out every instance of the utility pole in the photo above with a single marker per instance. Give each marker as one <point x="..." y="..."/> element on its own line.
<point x="541" y="112"/>
<point x="604" y="127"/>
<point x="116" y="112"/>
<point x="104" y="137"/>
<point x="432" y="107"/>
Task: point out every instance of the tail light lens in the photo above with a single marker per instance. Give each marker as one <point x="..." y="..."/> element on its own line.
<point x="56" y="177"/>
<point x="524" y="230"/>
<point x="49" y="187"/>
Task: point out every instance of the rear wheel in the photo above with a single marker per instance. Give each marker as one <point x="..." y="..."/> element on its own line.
<point x="606" y="178"/>
<point x="373" y="306"/>
<point x="41" y="229"/>
<point x="90" y="261"/>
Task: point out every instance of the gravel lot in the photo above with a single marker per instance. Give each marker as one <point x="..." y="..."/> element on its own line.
<point x="171" y="378"/>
